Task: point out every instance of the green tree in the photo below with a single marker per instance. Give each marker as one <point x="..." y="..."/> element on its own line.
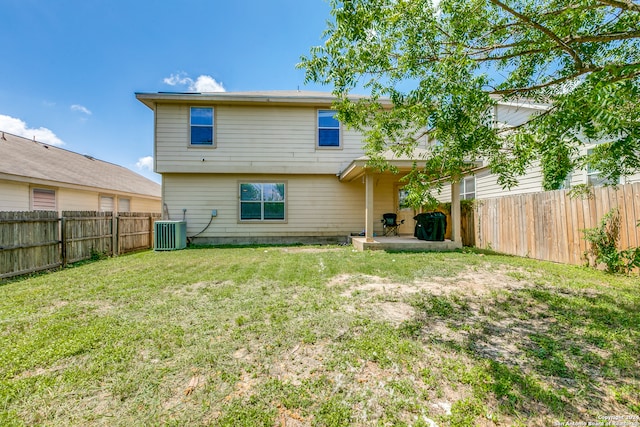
<point x="440" y="68"/>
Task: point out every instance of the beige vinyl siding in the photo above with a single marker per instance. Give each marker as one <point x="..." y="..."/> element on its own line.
<point x="317" y="205"/>
<point x="14" y="196"/>
<point x="487" y="184"/>
<point x="139" y="204"/>
<point x="17" y="196"/>
<point x="263" y="139"/>
<point x="80" y="200"/>
<point x="77" y="200"/>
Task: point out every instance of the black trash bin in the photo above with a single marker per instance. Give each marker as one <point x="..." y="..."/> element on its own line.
<point x="430" y="226"/>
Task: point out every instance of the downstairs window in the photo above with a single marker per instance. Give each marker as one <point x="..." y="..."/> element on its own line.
<point x="262" y="201"/>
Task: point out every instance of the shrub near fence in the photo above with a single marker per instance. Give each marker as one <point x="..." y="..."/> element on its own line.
<point x="39" y="240"/>
<point x="548" y="225"/>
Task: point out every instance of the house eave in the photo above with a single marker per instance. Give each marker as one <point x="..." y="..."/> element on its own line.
<point x="303" y="98"/>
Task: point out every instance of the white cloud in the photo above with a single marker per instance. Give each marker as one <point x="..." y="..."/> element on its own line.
<point x="18" y="127"/>
<point x="203" y="83"/>
<point x="178" y="79"/>
<point x="80" y="108"/>
<point x="145" y="163"/>
<point x="207" y="84"/>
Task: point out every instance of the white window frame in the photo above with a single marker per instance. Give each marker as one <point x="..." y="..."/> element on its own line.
<point x="212" y="126"/>
<point x="464" y="193"/>
<point x="566" y="184"/>
<point x="262" y="202"/>
<point x="127" y="200"/>
<point x="106" y="196"/>
<point x="319" y="128"/>
<point x="594" y="175"/>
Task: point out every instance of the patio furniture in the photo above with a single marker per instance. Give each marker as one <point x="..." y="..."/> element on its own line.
<point x="390" y="224"/>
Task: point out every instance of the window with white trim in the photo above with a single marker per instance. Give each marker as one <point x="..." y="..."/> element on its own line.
<point x="201" y="126"/>
<point x="106" y="204"/>
<point x="43" y="199"/>
<point x="594" y="177"/>
<point x="566" y="184"/>
<point x="262" y="201"/>
<point x="468" y="188"/>
<point x="124" y="205"/>
<point x="328" y="129"/>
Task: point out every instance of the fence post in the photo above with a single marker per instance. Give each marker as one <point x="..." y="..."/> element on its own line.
<point x="151" y="232"/>
<point x="63" y="240"/>
<point x="114" y="235"/>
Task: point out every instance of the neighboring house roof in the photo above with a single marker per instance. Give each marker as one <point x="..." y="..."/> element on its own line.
<point x="23" y="159"/>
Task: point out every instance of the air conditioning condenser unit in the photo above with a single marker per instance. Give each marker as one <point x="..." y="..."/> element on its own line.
<point x="169" y="235"/>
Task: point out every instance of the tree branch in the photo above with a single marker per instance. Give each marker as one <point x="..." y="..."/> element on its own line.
<point x="607" y="37"/>
<point x="550" y="34"/>
<point x="622" y="4"/>
<point x="548" y="84"/>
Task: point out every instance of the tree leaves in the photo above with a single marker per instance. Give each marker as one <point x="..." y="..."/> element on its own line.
<point x="439" y="70"/>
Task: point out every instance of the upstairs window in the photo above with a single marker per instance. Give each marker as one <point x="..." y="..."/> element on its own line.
<point x="328" y="129"/>
<point x="201" y="126"/>
<point x="262" y="201"/>
<point x="468" y="188"/>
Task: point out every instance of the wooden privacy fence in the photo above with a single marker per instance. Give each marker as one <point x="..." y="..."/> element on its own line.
<point x="39" y="240"/>
<point x="548" y="225"/>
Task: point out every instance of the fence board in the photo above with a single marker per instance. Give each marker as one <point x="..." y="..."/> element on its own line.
<point x="86" y="234"/>
<point x="549" y="225"/>
<point x="135" y="231"/>
<point x="39" y="240"/>
<point x="28" y="242"/>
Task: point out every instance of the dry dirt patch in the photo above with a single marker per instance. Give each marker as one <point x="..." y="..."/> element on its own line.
<point x="370" y="290"/>
<point x="471" y="281"/>
<point x="308" y="250"/>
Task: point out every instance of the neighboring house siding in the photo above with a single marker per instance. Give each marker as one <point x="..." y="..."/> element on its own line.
<point x="139" y="204"/>
<point x="487" y="186"/>
<point x="263" y="139"/>
<point x="14" y="196"/>
<point x="77" y="200"/>
<point x="17" y="196"/>
<point x="632" y="178"/>
<point x="315" y="205"/>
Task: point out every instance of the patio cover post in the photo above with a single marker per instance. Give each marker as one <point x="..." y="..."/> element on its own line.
<point x="455" y="212"/>
<point x="369" y="207"/>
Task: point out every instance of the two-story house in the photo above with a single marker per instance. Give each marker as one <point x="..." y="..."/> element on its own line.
<point x="277" y="167"/>
<point x="268" y="167"/>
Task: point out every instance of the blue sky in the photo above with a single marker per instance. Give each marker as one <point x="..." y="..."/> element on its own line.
<point x="70" y="68"/>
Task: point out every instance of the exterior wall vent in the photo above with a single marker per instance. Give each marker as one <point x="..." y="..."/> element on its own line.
<point x="170" y="235"/>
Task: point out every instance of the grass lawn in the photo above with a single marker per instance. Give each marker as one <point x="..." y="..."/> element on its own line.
<point x="319" y="336"/>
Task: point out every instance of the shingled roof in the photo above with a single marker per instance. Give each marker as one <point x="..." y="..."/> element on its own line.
<point x="24" y="158"/>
